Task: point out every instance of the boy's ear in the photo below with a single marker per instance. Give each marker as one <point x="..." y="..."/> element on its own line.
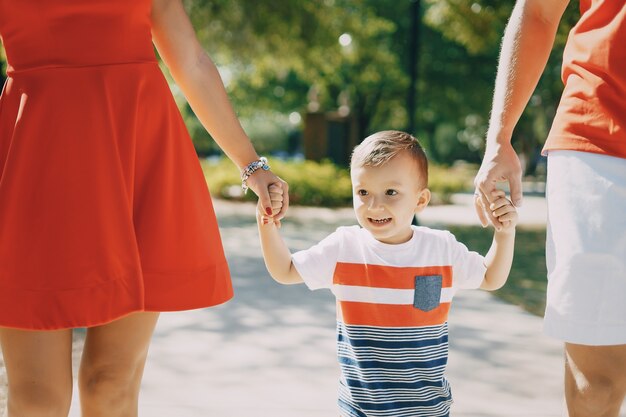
<point x="423" y="200"/>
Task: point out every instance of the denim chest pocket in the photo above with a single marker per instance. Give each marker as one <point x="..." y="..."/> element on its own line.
<point x="427" y="295"/>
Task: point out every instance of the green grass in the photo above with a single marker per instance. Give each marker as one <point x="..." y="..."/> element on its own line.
<point x="526" y="286"/>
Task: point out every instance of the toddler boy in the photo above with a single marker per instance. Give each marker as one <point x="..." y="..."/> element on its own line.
<point x="393" y="281"/>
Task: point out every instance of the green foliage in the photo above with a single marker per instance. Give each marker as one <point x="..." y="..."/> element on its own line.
<point x="286" y="57"/>
<point x="323" y="183"/>
<point x="283" y="57"/>
<point x="445" y="181"/>
<point x="527" y="282"/>
<point x="478" y="26"/>
<point x="3" y="63"/>
<point x="310" y="183"/>
<point x="317" y="183"/>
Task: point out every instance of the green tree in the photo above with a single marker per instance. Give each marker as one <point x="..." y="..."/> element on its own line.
<point x="281" y="52"/>
<point x="284" y="54"/>
<point x="478" y="26"/>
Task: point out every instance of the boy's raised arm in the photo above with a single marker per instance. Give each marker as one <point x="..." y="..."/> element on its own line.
<point x="275" y="252"/>
<point x="500" y="256"/>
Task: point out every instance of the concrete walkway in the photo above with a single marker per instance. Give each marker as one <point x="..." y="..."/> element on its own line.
<point x="271" y="350"/>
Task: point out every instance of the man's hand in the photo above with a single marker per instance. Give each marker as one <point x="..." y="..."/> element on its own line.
<point x="500" y="164"/>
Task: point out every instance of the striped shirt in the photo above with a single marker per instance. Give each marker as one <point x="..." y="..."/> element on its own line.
<point x="392" y="310"/>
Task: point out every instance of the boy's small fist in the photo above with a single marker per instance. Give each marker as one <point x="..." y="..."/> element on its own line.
<point x="276" y="197"/>
<point x="502" y="209"/>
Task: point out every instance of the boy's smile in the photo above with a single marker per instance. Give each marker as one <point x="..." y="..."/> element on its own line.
<point x="386" y="197"/>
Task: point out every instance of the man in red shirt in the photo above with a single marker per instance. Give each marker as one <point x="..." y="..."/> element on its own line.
<point x="586" y="186"/>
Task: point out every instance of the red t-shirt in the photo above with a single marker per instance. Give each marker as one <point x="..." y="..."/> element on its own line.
<point x="592" y="114"/>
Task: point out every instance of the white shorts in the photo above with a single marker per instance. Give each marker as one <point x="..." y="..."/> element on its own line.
<point x="586" y="248"/>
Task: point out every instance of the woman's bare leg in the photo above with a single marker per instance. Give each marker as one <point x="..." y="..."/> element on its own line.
<point x="39" y="372"/>
<point x="112" y="366"/>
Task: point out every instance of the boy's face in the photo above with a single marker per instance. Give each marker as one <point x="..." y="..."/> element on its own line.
<point x="386" y="198"/>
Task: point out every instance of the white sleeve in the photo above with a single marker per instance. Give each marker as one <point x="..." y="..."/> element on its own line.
<point x="468" y="267"/>
<point x="316" y="265"/>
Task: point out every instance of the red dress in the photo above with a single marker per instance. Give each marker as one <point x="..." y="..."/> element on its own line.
<point x="104" y="209"/>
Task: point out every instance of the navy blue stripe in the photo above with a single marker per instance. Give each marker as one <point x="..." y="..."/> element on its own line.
<point x="427" y="364"/>
<point x="353" y="411"/>
<point x="344" y="338"/>
<point x="399" y="405"/>
<point x="343" y="405"/>
<point x="355" y="383"/>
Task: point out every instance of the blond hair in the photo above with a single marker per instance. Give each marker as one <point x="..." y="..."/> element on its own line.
<point x="380" y="147"/>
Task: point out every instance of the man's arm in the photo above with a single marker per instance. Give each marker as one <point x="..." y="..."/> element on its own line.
<point x="526" y="47"/>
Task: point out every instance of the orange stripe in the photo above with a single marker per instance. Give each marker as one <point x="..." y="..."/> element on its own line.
<point x="388" y="315"/>
<point x="379" y="276"/>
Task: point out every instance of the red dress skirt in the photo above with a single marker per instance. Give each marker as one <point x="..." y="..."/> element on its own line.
<point x="104" y="209"/>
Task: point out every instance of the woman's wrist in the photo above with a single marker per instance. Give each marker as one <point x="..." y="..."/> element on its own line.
<point x="250" y="169"/>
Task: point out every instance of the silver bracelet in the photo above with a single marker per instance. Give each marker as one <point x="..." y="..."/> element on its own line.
<point x="250" y="169"/>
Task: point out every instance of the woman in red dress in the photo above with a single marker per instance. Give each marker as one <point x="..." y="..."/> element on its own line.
<point x="105" y="217"/>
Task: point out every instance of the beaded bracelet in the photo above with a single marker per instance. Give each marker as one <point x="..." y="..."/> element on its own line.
<point x="250" y="169"/>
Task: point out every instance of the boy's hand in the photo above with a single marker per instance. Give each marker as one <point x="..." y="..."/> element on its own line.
<point x="502" y="209"/>
<point x="277" y="198"/>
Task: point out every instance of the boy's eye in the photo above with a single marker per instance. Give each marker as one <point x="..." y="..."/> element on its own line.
<point x="391" y="192"/>
<point x="362" y="192"/>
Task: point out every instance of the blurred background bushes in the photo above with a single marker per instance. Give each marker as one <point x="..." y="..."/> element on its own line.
<point x="324" y="183"/>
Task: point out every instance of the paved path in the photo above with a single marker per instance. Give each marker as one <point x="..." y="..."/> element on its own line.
<point x="270" y="351"/>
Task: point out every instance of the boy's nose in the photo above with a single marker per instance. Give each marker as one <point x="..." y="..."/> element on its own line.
<point x="375" y="204"/>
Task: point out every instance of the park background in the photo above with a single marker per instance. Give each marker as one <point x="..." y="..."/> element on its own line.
<point x="309" y="79"/>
